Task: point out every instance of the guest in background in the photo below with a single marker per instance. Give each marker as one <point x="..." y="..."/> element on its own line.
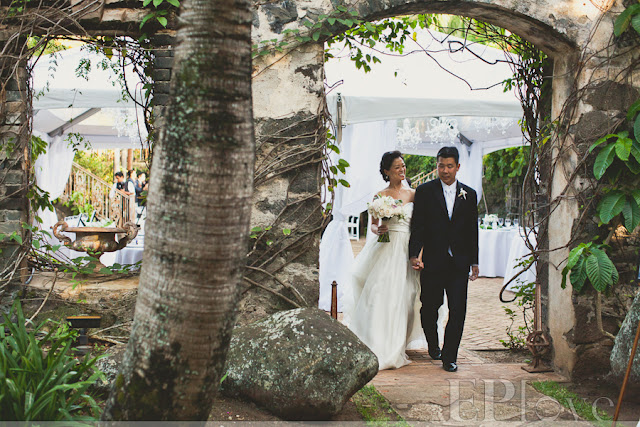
<point x="141" y="186"/>
<point x="131" y="182"/>
<point x="119" y="184"/>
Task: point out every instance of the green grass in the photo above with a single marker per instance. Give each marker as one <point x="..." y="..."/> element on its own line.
<point x="375" y="409"/>
<point x="571" y="401"/>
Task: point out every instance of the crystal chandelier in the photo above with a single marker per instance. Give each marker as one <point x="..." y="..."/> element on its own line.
<point x="125" y="121"/>
<point x="442" y="129"/>
<point x="408" y="136"/>
<point x="489" y="124"/>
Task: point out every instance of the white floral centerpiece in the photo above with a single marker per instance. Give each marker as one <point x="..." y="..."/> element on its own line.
<point x="490" y="220"/>
<point x="385" y="208"/>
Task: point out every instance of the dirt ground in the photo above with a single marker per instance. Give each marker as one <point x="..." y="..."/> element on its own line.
<point x="114" y="299"/>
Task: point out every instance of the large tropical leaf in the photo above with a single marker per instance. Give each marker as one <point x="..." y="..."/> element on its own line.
<point x="636" y="126"/>
<point x="578" y="275"/>
<point x="623" y="148"/>
<point x="599" y="271"/>
<point x="633" y="166"/>
<point x="636" y="195"/>
<point x="604" y="260"/>
<point x="635" y="149"/>
<point x="634" y="109"/>
<point x="631" y="214"/>
<point x="611" y="205"/>
<point x="624" y="19"/>
<point x="601" y="140"/>
<point x="575" y="254"/>
<point x="635" y="23"/>
<point x="603" y="161"/>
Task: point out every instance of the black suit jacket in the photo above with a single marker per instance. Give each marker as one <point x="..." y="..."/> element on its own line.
<point x="432" y="229"/>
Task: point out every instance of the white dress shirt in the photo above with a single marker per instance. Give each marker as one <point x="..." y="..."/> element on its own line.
<point x="449" y="195"/>
<point x="450" y="199"/>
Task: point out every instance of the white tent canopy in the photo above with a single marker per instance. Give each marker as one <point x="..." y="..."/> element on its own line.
<point x="92" y="104"/>
<point x="413" y="103"/>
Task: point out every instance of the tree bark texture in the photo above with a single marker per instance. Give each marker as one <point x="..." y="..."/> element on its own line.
<point x="197" y="228"/>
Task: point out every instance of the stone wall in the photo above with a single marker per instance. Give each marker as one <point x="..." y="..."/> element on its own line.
<point x="13" y="166"/>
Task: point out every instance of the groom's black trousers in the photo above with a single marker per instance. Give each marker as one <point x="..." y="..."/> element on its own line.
<point x="434" y="284"/>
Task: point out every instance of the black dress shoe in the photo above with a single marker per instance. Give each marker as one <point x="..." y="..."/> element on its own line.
<point x="435" y="354"/>
<point x="449" y="366"/>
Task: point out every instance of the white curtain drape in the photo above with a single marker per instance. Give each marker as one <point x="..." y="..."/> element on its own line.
<point x="471" y="166"/>
<point x="52" y="170"/>
<point x="362" y="146"/>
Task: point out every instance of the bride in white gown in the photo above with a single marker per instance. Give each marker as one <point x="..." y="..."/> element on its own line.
<point x="382" y="307"/>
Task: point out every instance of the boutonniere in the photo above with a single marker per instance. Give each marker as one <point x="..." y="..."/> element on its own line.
<point x="463" y="194"/>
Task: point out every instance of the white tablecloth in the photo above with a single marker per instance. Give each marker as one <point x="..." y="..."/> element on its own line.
<point x="130" y="254"/>
<point x="518" y="253"/>
<point x="494" y="247"/>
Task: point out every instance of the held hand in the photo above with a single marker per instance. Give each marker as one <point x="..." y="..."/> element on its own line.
<point x="474" y="273"/>
<point x="416" y="264"/>
<point x="382" y="228"/>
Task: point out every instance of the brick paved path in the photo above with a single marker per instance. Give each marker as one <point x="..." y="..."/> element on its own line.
<point x="486" y="321"/>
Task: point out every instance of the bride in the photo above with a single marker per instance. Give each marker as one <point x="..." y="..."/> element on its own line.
<point x="383" y="307"/>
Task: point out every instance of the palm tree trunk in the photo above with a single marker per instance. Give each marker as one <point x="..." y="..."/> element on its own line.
<point x="199" y="211"/>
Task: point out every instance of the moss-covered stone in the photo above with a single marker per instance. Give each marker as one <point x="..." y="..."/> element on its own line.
<point x="299" y="364"/>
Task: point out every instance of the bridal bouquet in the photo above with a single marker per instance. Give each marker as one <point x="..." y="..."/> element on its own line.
<point x="385" y="208"/>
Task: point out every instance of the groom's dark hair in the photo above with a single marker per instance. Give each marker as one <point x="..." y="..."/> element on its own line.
<point x="449" y="152"/>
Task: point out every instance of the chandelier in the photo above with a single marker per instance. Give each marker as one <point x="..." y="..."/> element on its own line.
<point x="442" y="129"/>
<point x="490" y="124"/>
<point x="125" y="121"/>
<point x="408" y="136"/>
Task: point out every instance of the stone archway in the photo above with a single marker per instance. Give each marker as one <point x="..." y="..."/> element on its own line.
<point x="566" y="32"/>
<point x="288" y="101"/>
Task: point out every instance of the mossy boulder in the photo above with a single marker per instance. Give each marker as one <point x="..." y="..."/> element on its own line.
<point x="624" y="343"/>
<point x="299" y="364"/>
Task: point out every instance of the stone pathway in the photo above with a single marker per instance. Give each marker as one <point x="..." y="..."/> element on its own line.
<point x="479" y="393"/>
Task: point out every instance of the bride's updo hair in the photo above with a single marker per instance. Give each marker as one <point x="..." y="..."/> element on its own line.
<point x="387" y="161"/>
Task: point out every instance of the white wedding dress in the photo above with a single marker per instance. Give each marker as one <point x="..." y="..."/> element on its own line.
<point x="382" y="304"/>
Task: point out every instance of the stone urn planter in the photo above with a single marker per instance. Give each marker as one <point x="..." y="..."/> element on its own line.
<point x="96" y="240"/>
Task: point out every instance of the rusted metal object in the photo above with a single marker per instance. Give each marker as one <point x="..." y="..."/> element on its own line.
<point x="537" y="341"/>
<point x="96" y="240"/>
<point x="334" y="300"/>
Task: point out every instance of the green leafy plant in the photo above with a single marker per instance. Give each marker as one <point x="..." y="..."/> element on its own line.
<point x="630" y="17"/>
<point x="159" y="12"/>
<point x="588" y="262"/>
<point x="618" y="161"/>
<point x="79" y="204"/>
<point x="525" y="300"/>
<point x="40" y="379"/>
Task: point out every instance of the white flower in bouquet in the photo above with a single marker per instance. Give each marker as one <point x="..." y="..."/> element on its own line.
<point x="385" y="208"/>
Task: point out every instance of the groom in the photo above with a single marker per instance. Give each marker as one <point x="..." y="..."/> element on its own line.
<point x="445" y="227"/>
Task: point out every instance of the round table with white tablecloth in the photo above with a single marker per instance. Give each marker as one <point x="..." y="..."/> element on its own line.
<point x="128" y="255"/>
<point x="493" y="250"/>
<point x="518" y="253"/>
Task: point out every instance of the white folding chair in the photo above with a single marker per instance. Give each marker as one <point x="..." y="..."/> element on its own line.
<point x="353" y="227"/>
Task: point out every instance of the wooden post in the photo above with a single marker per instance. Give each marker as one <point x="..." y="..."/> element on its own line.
<point x="334" y="300"/>
<point x="130" y="159"/>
